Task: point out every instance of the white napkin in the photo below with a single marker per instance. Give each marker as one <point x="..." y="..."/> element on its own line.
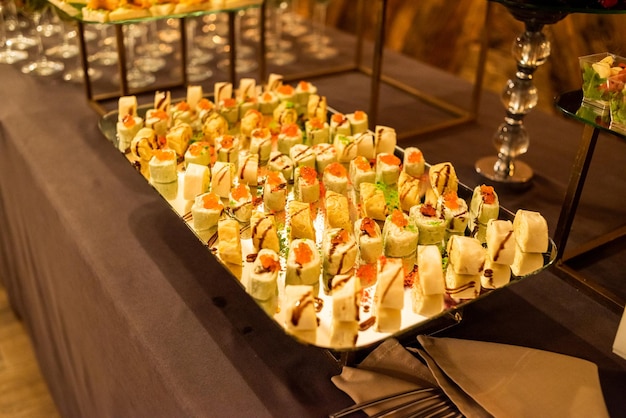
<point x="482" y="379"/>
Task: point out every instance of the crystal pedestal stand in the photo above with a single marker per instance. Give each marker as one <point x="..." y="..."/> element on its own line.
<point x="530" y="49"/>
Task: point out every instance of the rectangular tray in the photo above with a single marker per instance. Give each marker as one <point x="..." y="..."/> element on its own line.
<point x="412" y="324"/>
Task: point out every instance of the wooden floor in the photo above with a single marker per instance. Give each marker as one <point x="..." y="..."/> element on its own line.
<point x="23" y="392"/>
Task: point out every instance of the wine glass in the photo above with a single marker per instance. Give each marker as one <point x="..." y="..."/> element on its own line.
<point x="319" y="47"/>
<point x="75" y="72"/>
<point x="68" y="47"/>
<point x="150" y="56"/>
<point x="41" y="65"/>
<point x="16" y="36"/>
<point x="278" y="53"/>
<point x="135" y="77"/>
<point x="197" y="57"/>
<point x="7" y="54"/>
<point x="106" y="54"/>
<point x="295" y="24"/>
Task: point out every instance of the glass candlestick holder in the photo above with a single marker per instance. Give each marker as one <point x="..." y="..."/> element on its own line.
<point x="530" y="49"/>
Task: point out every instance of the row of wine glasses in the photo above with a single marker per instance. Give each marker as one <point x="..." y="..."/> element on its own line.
<point x="149" y="43"/>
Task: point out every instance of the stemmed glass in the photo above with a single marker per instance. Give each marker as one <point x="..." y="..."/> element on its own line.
<point x="135" y="77"/>
<point x="107" y="53"/>
<point x="295" y="24"/>
<point x="151" y="55"/>
<point x="68" y="47"/>
<point x="17" y="38"/>
<point x="75" y="73"/>
<point x="197" y="57"/>
<point x="243" y="63"/>
<point x="278" y="53"/>
<point x="320" y="48"/>
<point x="7" y="54"/>
<point x="41" y="66"/>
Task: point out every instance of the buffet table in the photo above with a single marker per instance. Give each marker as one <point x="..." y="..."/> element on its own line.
<point x="130" y="316"/>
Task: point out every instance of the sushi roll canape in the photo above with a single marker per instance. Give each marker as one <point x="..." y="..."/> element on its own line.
<point x="290" y="135"/>
<point x="213" y="126"/>
<point x="222" y="175"/>
<point x="385" y="139"/>
<point x="358" y="122"/>
<point x="227" y="149"/>
<point x="204" y="108"/>
<point x="400" y="237"/>
<point x="281" y="163"/>
<point x="428" y="288"/>
<point x="300" y="315"/>
<point x="286" y="93"/>
<point x="229" y="241"/>
<point x="275" y="192"/>
<point x="303" y="92"/>
<point x="248" y="170"/>
<point x="455" y="212"/>
<point x="360" y="171"/>
<point x="142" y="147"/>
<point x="307" y="185"/>
<point x="413" y="162"/>
<point x="365" y="145"/>
<point x="325" y="154"/>
<point x="388" y="168"/>
<point x="262" y="279"/>
<point x="304" y="264"/>
<point x="317" y="108"/>
<point x="247" y="96"/>
<point x="241" y="202"/>
<point x="389" y="294"/>
<point x="369" y="240"/>
<point x="500" y="241"/>
<point x="183" y="113"/>
<point x="410" y="191"/>
<point x="525" y="263"/>
<point x="462" y="286"/>
<point x="466" y="255"/>
<point x="302" y="155"/>
<point x="443" y="179"/>
<point x="162" y="166"/>
<point x="484" y="206"/>
<point x="268" y="102"/>
<point x="178" y="138"/>
<point x="285" y="113"/>
<point x="531" y="231"/>
<point x="345" y="293"/>
<point x="430" y="223"/>
<point x="196" y="181"/>
<point x="128" y="122"/>
<point x="300" y="220"/>
<point x="317" y="131"/>
<point x="495" y="275"/>
<point x="339" y="253"/>
<point x="335" y="178"/>
<point x="198" y="153"/>
<point x="206" y="210"/>
<point x="250" y="120"/>
<point x="339" y="125"/>
<point x="261" y="144"/>
<point x="337" y="210"/>
<point x="372" y="201"/>
<point x="263" y="231"/>
<point x="345" y="147"/>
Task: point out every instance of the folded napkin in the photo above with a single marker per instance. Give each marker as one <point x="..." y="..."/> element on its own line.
<point x="482" y="379"/>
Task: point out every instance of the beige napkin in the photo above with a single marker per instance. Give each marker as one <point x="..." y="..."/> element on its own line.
<point x="507" y="381"/>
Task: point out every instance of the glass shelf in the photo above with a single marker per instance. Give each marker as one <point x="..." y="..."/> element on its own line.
<point x="565" y="6"/>
<point x="571" y="104"/>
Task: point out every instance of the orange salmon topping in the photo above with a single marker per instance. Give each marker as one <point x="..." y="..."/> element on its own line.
<point x="341" y="237"/>
<point x="240" y="192"/>
<point x="316" y="123"/>
<point x="428" y="210"/>
<point x="269" y="263"/>
<point x="398" y="218"/>
<point x="338" y="118"/>
<point x="362" y="163"/>
<point x="273" y="178"/>
<point x="230" y="102"/>
<point x="197" y="147"/>
<point x="451" y="200"/>
<point x="303" y="253"/>
<point x="211" y="201"/>
<point x="308" y="174"/>
<point x="368" y="225"/>
<point x="205" y="104"/>
<point x="489" y="196"/>
<point x="367" y="273"/>
<point x="227" y="141"/>
<point x="290" y="129"/>
<point x="163" y="155"/>
<point x="415" y="157"/>
<point x="267" y="97"/>
<point x="304" y="86"/>
<point x="360" y="115"/>
<point x="336" y="169"/>
<point x="160" y="114"/>
<point x="260" y="132"/>
<point x="390" y="159"/>
<point x="128" y="121"/>
<point x="182" y="106"/>
<point x="285" y="89"/>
